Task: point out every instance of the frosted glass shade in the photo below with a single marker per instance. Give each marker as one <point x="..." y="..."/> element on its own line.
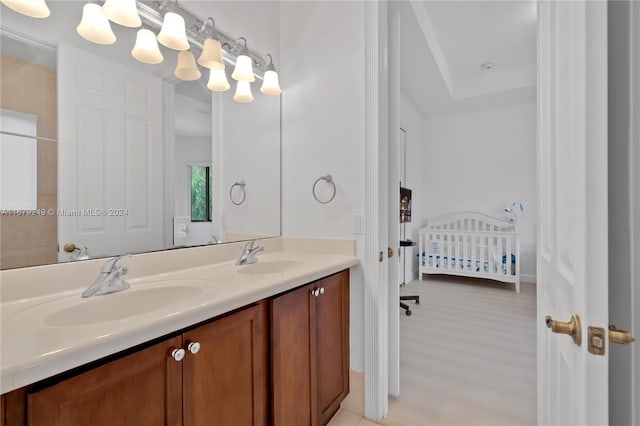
<point x="211" y="56"/>
<point x="94" y="26"/>
<point x="271" y="83"/>
<point x="186" y="69"/>
<point x="218" y="81"/>
<point x="122" y="12"/>
<point x="32" y="8"/>
<point x="243" y="70"/>
<point x="173" y="34"/>
<point x="146" y="49"/>
<point x="243" y="92"/>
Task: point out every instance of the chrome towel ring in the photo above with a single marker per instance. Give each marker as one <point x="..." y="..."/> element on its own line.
<point x="329" y="180"/>
<point x="241" y="188"/>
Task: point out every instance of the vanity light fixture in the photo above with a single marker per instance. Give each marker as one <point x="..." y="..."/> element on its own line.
<point x="146" y="49"/>
<point x="186" y="68"/>
<point x="32" y="8"/>
<point x="243" y="92"/>
<point x="270" y="84"/>
<point x="173" y="33"/>
<point x="122" y="12"/>
<point x="218" y="80"/>
<point x="94" y="26"/>
<point x="211" y="56"/>
<point x="171" y="21"/>
<point x="244" y="65"/>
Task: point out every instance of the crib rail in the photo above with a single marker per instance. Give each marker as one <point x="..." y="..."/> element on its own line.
<point x="487" y="251"/>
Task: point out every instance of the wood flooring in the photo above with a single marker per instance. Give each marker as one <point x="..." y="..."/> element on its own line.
<point x="468" y="354"/>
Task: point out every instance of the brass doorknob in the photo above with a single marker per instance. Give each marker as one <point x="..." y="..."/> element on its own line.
<point x="621" y="337"/>
<point x="389" y="252"/>
<point x="70" y="247"/>
<point x="572" y="328"/>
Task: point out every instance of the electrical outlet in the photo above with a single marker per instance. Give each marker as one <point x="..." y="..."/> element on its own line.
<point x="181" y="235"/>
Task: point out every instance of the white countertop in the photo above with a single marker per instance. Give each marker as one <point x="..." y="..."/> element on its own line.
<point x="38" y="342"/>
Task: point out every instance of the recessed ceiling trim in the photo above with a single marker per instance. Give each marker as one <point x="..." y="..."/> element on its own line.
<point x="430" y="36"/>
<point x="496" y="81"/>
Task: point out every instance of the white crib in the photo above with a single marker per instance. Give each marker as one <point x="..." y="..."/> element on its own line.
<point x="471" y="245"/>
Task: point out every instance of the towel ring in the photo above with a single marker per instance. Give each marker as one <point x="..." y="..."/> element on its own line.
<point x="329" y="181"/>
<point x="242" y="184"/>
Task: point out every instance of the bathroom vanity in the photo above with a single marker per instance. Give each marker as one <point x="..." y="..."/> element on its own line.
<point x="271" y="349"/>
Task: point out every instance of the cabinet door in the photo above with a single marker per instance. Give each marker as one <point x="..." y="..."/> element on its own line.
<point x="225" y="382"/>
<point x="144" y="388"/>
<point x="292" y="358"/>
<point x="332" y="344"/>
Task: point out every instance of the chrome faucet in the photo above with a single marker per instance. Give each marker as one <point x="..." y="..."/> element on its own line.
<point x="249" y="252"/>
<point x="110" y="279"/>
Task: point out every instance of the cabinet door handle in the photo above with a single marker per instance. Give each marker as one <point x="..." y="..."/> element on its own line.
<point x="321" y="290"/>
<point x="193" y="347"/>
<point x="315" y="292"/>
<point x="178" y="354"/>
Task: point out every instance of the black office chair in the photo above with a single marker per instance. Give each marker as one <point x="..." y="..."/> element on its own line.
<point x="405" y="306"/>
<point x="416" y="298"/>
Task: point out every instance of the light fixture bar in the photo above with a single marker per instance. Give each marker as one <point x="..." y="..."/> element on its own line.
<point x="152" y="16"/>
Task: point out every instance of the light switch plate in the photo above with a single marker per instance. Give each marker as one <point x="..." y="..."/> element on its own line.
<point x="358" y="227"/>
<point x="181" y="230"/>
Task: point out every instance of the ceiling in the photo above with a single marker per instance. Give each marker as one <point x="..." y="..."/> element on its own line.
<point x="192" y="116"/>
<point x="444" y="43"/>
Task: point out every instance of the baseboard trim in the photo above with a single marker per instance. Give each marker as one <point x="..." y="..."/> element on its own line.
<point x="528" y="278"/>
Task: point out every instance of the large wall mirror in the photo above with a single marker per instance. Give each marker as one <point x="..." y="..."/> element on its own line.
<point x="102" y="155"/>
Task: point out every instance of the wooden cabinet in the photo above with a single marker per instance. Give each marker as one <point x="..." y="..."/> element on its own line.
<point x="222" y="382"/>
<point x="310" y="351"/>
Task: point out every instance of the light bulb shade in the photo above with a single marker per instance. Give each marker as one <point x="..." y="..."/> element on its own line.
<point x="94" y="26"/>
<point x="243" y="70"/>
<point x="271" y="83"/>
<point x="32" y="8"/>
<point x="218" y="81"/>
<point x="122" y="12"/>
<point x="211" y="56"/>
<point x="146" y="49"/>
<point x="243" y="92"/>
<point x="186" y="69"/>
<point x="173" y="33"/>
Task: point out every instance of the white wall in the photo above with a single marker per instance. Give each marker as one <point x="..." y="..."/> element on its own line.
<point x="190" y="151"/>
<point x="483" y="161"/>
<point x="323" y="124"/>
<point x="247" y="148"/>
<point x="411" y="120"/>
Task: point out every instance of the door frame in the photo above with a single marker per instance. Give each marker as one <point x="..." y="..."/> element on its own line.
<point x="634" y="204"/>
<point x="376" y="290"/>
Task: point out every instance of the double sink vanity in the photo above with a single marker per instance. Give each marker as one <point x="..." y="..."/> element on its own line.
<point x="195" y="340"/>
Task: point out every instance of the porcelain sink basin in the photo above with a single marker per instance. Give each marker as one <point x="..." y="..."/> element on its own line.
<point x="148" y="297"/>
<point x="268" y="267"/>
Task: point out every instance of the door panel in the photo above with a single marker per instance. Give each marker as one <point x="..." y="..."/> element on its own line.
<point x="225" y="382"/>
<point x="144" y="389"/>
<point x="332" y="331"/>
<point x="110" y="155"/>
<point x="572" y="209"/>
<point x="293" y="358"/>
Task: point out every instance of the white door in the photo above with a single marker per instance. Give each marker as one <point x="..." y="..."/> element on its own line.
<point x="109" y="156"/>
<point x="572" y="209"/>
